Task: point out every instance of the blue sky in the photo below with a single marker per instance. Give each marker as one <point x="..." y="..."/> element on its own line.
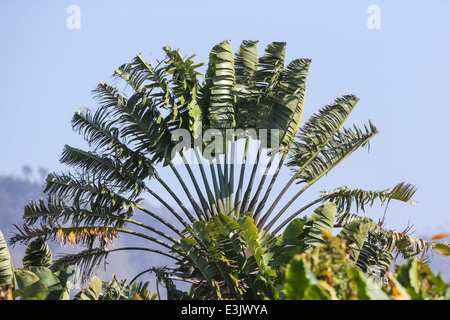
<point x="400" y="72"/>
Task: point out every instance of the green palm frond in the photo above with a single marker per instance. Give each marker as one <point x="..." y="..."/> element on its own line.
<point x="322" y="222"/>
<point x="356" y="233"/>
<point x="220" y="79"/>
<point x="270" y="66"/>
<point x="344" y="197"/>
<point x="288" y="103"/>
<point x="246" y="63"/>
<point x="141" y="120"/>
<point x="262" y="89"/>
<point x="132" y="76"/>
<point x="100" y="131"/>
<point x="96" y="128"/>
<point x="6" y="267"/>
<point x="319" y="146"/>
<point x="398" y="243"/>
<point x="123" y="176"/>
<point x="138" y="119"/>
<point x="154" y="78"/>
<point x="83" y="190"/>
<point x="341" y="146"/>
<point x="283" y="122"/>
<point x="314" y="135"/>
<point x="56" y="211"/>
<point x="108" y="96"/>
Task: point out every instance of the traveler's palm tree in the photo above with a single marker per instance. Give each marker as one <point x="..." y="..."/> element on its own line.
<point x="131" y="136"/>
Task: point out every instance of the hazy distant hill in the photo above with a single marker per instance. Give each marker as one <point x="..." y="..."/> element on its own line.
<point x="15" y="193"/>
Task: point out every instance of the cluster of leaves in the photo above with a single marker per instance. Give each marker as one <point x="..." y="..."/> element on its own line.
<point x="323" y="272"/>
<point x="228" y="258"/>
<point x="327" y="274"/>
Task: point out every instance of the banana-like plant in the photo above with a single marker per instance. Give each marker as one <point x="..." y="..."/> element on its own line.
<point x="6" y="266"/>
<point x="326" y="274"/>
<point x="204" y="128"/>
